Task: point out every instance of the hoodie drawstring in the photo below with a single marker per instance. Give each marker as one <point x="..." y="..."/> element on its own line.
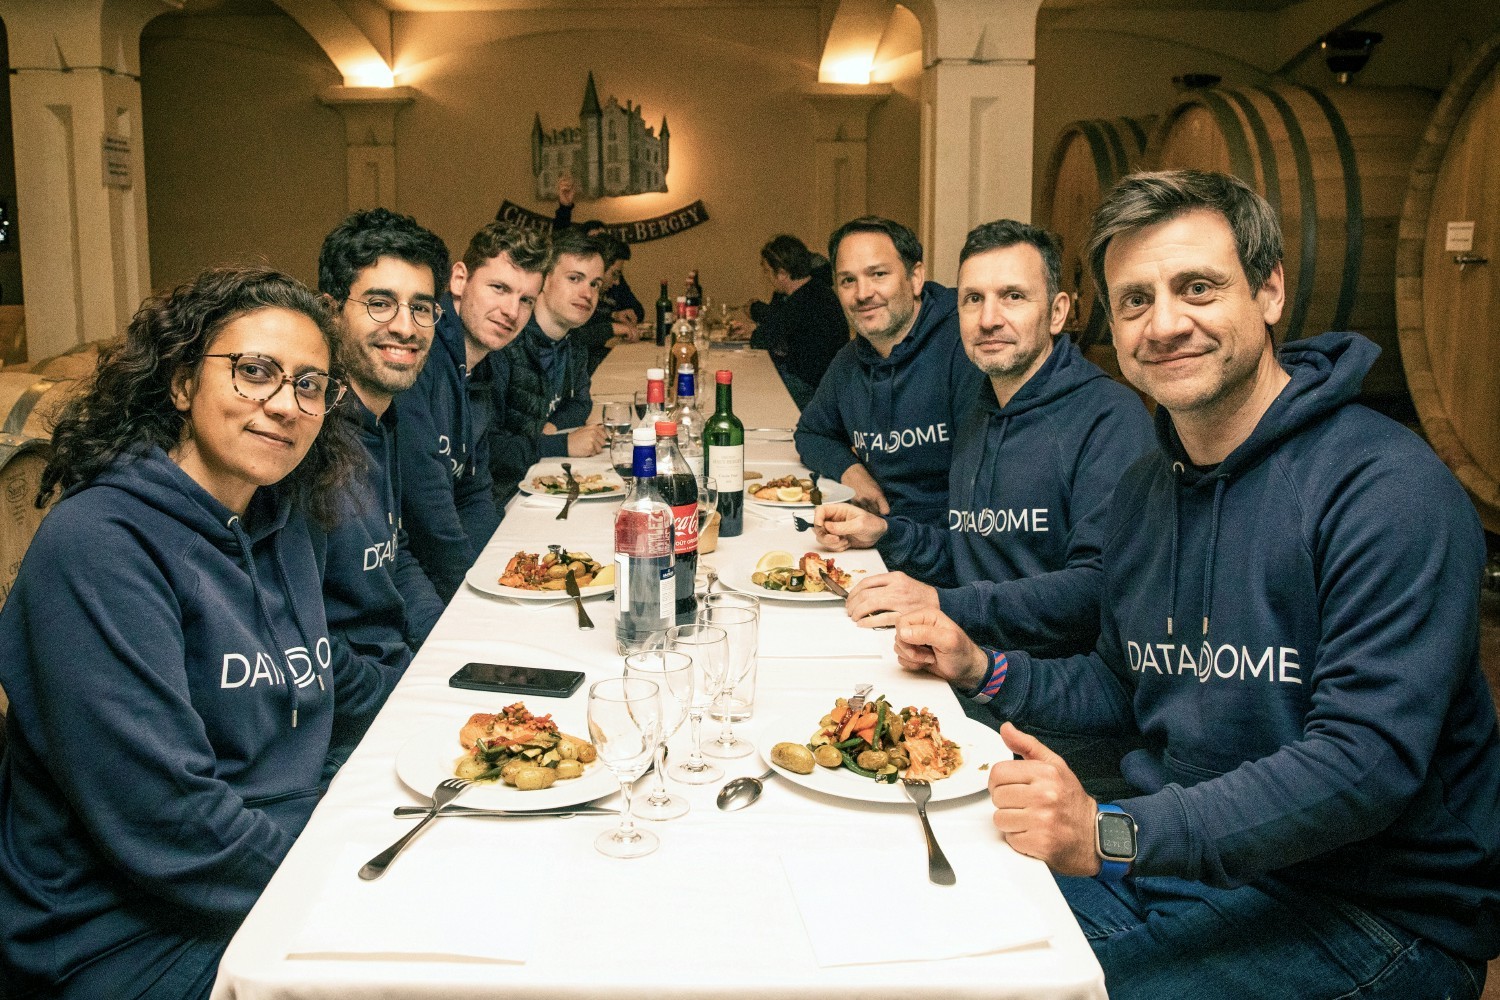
<point x="265" y="615"/>
<point x="1176" y="531"/>
<point x="1213" y="544"/>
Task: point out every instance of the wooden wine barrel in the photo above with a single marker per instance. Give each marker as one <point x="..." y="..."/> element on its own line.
<point x="30" y="403"/>
<point x="1088" y="158"/>
<point x="1333" y="164"/>
<point x="1448" y="301"/>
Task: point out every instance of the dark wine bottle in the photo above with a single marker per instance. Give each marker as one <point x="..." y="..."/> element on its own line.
<point x="664" y="315"/>
<point x="724" y="457"/>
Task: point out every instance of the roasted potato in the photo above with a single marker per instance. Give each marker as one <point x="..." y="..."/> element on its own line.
<point x="568" y="769"/>
<point x="793" y="756"/>
<point x="828" y="755"/>
<point x="530" y="779"/>
<point x="873" y="760"/>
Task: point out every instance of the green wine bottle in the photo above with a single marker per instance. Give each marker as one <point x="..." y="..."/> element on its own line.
<point x="724" y="457"/>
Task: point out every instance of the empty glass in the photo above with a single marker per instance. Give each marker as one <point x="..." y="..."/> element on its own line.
<point x="742" y="698"/>
<point x="617" y="421"/>
<point x="708" y="647"/>
<point x="741" y="627"/>
<point x="673" y="673"/>
<point x="625" y="727"/>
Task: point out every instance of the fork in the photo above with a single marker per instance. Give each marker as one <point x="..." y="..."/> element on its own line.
<point x="939" y="871"/>
<point x="801" y="523"/>
<point x="444" y="793"/>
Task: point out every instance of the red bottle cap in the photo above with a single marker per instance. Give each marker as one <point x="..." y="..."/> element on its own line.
<point x="666" y="428"/>
<point x="723" y="376"/>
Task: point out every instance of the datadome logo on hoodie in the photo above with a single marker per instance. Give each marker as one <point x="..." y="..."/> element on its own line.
<point x="889" y="441"/>
<point x="999" y="520"/>
<point x="240" y="670"/>
<point x="1225" y="662"/>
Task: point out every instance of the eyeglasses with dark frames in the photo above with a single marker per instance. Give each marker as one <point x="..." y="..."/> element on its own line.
<point x="258" y="378"/>
<point x="383" y="309"/>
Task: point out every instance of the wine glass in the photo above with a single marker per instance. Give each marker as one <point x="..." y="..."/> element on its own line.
<point x="742" y="697"/>
<point x="708" y="647"/>
<point x="625" y="725"/>
<point x="741" y="628"/>
<point x="617" y="421"/>
<point x="673" y="673"/>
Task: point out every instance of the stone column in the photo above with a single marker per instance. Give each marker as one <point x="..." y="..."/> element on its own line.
<point x="370" y="130"/>
<point x="978" y="106"/>
<point x="840" y="152"/>
<point x="80" y="165"/>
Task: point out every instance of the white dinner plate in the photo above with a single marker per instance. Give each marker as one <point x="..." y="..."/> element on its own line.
<point x="981" y="747"/>
<point x="429" y="757"/>
<point x="484" y="576"/>
<point x="833" y="492"/>
<point x="615" y="483"/>
<point x="736" y="572"/>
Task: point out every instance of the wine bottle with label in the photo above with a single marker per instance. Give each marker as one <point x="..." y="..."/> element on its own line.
<point x="665" y="313"/>
<point x="724" y="456"/>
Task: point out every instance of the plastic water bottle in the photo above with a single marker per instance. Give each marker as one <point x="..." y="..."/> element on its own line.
<point x="645" y="578"/>
<point x="689" y="419"/>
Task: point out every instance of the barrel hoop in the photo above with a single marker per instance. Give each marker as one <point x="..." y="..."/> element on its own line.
<point x="1234" y="135"/>
<point x="1354" y="212"/>
<point x="12" y="445"/>
<point x="1269" y="168"/>
<point x="1122" y="162"/>
<point x="15" y="423"/>
<point x="1307" y="198"/>
<point x="1099" y="150"/>
<point x="1137" y="131"/>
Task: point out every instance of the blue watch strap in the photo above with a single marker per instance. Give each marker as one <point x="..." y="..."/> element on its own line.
<point x="1111" y="870"/>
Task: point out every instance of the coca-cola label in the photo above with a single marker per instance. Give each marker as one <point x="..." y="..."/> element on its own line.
<point x="685" y="528"/>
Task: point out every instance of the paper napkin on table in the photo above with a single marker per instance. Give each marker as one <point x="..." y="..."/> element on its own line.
<point x="419" y="910"/>
<point x="792" y="631"/>
<point x="981" y="914"/>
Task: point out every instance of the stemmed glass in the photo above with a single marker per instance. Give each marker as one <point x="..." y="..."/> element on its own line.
<point x="741" y="627"/>
<point x="742" y="696"/>
<point x="617" y="422"/>
<point x="625" y="725"/>
<point x="708" y="647"/>
<point x="673" y="673"/>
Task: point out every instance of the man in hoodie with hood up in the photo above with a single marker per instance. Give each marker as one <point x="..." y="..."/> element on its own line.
<point x="1034" y="462"/>
<point x="1290" y="626"/>
<point x="883" y="418"/>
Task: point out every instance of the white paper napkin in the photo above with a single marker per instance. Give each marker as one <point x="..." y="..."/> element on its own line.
<point x="793" y="631"/>
<point x="418" y="911"/>
<point x="983" y="913"/>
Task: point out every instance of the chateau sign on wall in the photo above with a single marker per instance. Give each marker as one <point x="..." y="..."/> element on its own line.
<point x="612" y="151"/>
<point x="637" y="231"/>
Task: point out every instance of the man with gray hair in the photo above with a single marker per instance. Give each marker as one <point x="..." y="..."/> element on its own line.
<point x="1290" y="604"/>
<point x="1034" y="463"/>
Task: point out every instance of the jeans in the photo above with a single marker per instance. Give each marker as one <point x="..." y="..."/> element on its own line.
<point x="1168" y="938"/>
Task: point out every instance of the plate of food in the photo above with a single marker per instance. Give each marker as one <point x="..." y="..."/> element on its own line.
<point x="781" y="576"/>
<point x="541" y="576"/>
<point x="792" y="490"/>
<point x="591" y="485"/>
<point x="516" y="760"/>
<point x="864" y="754"/>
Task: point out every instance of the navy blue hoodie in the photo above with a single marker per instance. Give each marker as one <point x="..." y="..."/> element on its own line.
<point x="536" y="380"/>
<point x="446" y="504"/>
<point x="380" y="603"/>
<point x="896" y="415"/>
<point x="1294" y="633"/>
<point x="1018" y="566"/>
<point x="155" y="774"/>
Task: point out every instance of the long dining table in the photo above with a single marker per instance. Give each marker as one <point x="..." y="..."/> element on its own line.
<point x="811" y="892"/>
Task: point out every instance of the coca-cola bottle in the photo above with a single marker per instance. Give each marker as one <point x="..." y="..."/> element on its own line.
<point x="645" y="583"/>
<point x="679" y="487"/>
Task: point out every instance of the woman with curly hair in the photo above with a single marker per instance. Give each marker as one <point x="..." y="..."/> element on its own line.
<point x="165" y="648"/>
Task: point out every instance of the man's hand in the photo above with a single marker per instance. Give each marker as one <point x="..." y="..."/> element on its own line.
<point x="841" y="526"/>
<point x="867" y="492"/>
<point x="928" y="640"/>
<point x="585" y="441"/>
<point x="566" y="189"/>
<point x="625" y="329"/>
<point x="1041" y="808"/>
<point x="883" y="598"/>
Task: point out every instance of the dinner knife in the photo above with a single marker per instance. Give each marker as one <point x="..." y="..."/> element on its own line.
<point x="585" y="623"/>
<point x="833" y="585"/>
<point x="562" y="515"/>
<point x="519" y="813"/>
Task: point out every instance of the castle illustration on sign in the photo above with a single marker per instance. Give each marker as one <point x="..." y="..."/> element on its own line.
<point x="611" y="152"/>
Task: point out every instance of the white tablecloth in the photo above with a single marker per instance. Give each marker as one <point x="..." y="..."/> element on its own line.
<point x="713" y="912"/>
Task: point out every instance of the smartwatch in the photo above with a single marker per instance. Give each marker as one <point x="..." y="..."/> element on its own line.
<point x="1114" y="841"/>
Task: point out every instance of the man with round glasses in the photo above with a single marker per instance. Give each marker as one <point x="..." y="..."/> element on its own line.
<point x="381" y="272"/>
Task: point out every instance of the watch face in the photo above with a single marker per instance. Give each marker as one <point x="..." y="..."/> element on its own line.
<point x="1116" y="836"/>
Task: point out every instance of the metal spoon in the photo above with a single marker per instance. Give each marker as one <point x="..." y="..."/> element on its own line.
<point x="741" y="792"/>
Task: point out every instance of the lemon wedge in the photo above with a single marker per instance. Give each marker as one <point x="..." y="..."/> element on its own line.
<point x="789" y="494"/>
<point x="775" y="560"/>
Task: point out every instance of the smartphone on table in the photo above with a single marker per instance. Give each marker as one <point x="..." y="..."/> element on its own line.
<point x="513" y="679"/>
